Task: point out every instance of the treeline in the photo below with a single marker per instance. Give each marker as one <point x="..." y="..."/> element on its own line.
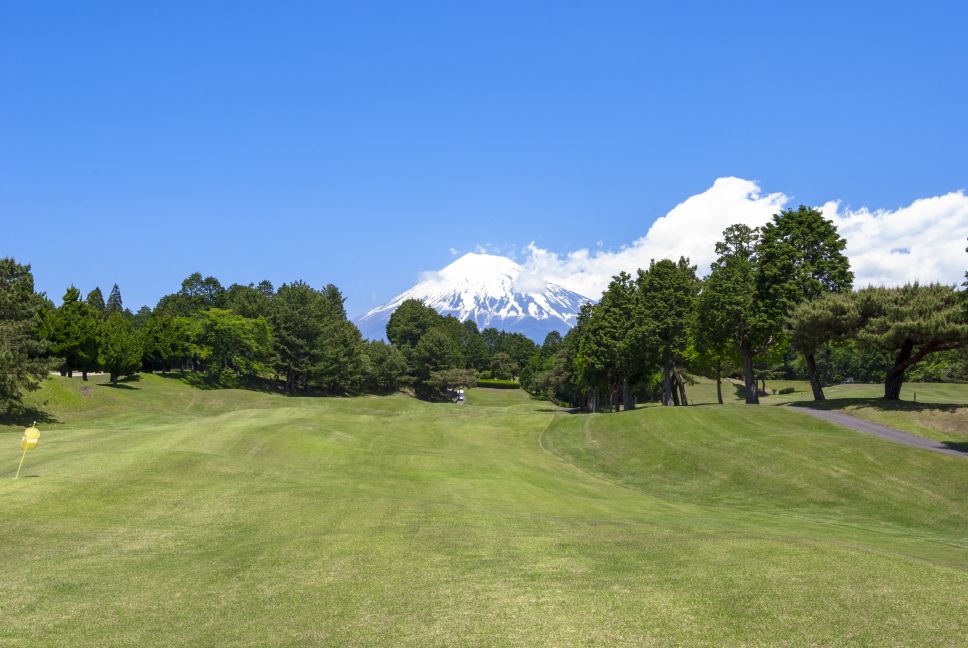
<point x="295" y="339"/>
<point x="778" y="303"/>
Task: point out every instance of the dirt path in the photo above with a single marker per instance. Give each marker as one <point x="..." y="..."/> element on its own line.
<point x="882" y="431"/>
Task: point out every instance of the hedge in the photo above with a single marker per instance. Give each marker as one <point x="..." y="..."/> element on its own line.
<point x="497" y="383"/>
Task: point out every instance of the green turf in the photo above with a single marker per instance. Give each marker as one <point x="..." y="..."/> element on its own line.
<point x="167" y="515"/>
<point x="934" y="410"/>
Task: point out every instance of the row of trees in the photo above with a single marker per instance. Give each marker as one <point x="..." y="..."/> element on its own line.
<point x="297" y="339"/>
<point x="773" y="293"/>
<point x="778" y="302"/>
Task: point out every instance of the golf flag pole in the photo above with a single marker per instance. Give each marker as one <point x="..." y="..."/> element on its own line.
<point x="29" y="441"/>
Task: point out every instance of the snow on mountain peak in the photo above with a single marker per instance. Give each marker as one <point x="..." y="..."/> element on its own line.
<point x="485" y="288"/>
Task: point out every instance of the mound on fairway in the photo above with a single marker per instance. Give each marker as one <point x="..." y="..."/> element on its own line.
<point x="162" y="514"/>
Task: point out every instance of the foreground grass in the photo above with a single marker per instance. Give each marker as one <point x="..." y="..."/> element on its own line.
<point x="162" y="514"/>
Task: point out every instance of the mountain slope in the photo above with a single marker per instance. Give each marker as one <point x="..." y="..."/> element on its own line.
<point x="491" y="291"/>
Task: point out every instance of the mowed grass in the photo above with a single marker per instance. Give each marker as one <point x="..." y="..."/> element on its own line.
<point x="935" y="410"/>
<point x="167" y="515"/>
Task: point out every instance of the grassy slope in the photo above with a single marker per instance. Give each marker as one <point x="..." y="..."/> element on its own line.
<point x="941" y="410"/>
<point x="164" y="514"/>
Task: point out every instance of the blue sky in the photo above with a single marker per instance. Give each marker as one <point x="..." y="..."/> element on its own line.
<point x="359" y="144"/>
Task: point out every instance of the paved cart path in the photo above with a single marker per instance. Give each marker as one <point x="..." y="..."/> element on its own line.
<point x="882" y="431"/>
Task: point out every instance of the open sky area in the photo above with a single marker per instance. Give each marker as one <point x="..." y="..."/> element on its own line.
<point x="362" y="143"/>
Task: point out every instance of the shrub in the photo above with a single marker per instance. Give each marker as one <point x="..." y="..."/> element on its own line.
<point x="786" y="390"/>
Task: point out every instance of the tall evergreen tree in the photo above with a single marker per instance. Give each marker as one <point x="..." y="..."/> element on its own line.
<point x="801" y="257"/>
<point x="22" y="348"/>
<point x="668" y="292"/>
<point x="297" y="315"/>
<point x="96" y="300"/>
<point x="75" y="333"/>
<point x="119" y="348"/>
<point x="610" y="351"/>
<point x="114" y="304"/>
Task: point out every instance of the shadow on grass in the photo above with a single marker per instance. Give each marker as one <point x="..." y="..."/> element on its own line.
<point x="960" y="446"/>
<point x="26" y="416"/>
<point x="878" y="404"/>
<point x="200" y="380"/>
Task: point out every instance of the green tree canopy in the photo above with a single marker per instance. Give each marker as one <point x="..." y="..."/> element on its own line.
<point x="95" y="300"/>
<point x="119" y="347"/>
<point x="912" y="321"/>
<point x="22" y="348"/>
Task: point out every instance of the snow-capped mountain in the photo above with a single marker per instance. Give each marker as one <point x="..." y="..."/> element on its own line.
<point x="489" y="290"/>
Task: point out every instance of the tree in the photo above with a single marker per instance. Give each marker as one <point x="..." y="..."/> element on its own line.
<point x="668" y="292"/>
<point x="202" y="292"/>
<point x="435" y="351"/>
<point x="409" y="322"/>
<point x="297" y="314"/>
<point x="912" y="321"/>
<point x="119" y="347"/>
<point x="813" y="324"/>
<point x="801" y="257"/>
<point x="502" y="366"/>
<point x="166" y="342"/>
<point x="611" y="345"/>
<point x="22" y="348"/>
<point x="114" y="304"/>
<point x="339" y="367"/>
<point x="96" y="300"/>
<point x="231" y="343"/>
<point x="753" y="290"/>
<point x="475" y="351"/>
<point x="251" y="300"/>
<point x="74" y="334"/>
<point x="385" y="366"/>
<point x="450" y="380"/>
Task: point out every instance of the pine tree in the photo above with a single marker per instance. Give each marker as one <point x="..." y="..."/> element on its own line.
<point x="96" y="300"/>
<point x="74" y="334"/>
<point x="119" y="348"/>
<point x="668" y="292"/>
<point x="912" y="321"/>
<point x="114" y="304"/>
<point x="801" y="257"/>
<point x="22" y="348"/>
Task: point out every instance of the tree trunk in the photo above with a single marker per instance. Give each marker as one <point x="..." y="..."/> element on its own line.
<point x="814" y="377"/>
<point x="682" y="388"/>
<point x="84" y="375"/>
<point x="719" y="384"/>
<point x="63" y="372"/>
<point x="895" y="376"/>
<point x="667" y="393"/>
<point x="114" y="378"/>
<point x="70" y="373"/>
<point x="593" y="401"/>
<point x="289" y="377"/>
<point x="675" y="396"/>
<point x="628" y="400"/>
<point x="752" y="398"/>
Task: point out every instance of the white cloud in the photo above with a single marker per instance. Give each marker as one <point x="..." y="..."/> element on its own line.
<point x="924" y="241"/>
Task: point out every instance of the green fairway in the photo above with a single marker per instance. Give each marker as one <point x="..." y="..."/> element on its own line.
<point x="159" y="514"/>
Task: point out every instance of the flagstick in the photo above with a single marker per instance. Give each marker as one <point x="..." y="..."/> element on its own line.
<point x="22" y="457"/>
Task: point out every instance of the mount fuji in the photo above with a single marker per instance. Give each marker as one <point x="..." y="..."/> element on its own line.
<point x="491" y="291"/>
